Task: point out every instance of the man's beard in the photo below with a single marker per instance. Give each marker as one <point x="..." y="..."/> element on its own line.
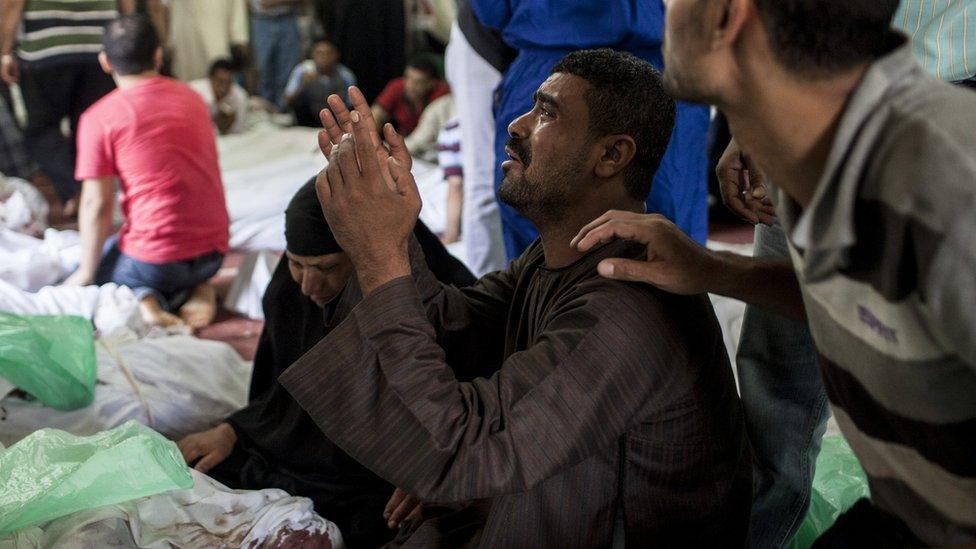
<point x="540" y="201"/>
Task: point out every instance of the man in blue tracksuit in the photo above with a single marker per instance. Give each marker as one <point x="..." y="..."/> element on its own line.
<point x="543" y="31"/>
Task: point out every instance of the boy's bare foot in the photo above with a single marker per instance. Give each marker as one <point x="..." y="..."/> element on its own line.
<point x="154" y="315"/>
<point x="199" y="311"/>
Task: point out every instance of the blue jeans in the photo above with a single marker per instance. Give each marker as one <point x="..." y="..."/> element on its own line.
<point x="786" y="410"/>
<point x="170" y="283"/>
<point x="277" y="49"/>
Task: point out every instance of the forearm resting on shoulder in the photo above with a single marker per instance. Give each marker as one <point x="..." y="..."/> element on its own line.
<point x="767" y="283"/>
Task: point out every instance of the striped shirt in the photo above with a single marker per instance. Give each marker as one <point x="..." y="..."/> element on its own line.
<point x="449" y="149"/>
<point x="58" y="31"/>
<point x="886" y="259"/>
<point x="943" y="34"/>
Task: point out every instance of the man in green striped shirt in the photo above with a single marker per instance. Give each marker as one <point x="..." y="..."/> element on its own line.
<point x="56" y="65"/>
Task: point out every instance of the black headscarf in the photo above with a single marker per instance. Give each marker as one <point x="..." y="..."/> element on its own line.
<point x="306" y="231"/>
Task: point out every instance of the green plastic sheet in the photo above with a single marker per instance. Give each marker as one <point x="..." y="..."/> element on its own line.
<point x="838" y="483"/>
<point x="51" y="474"/>
<point x="50" y="357"/>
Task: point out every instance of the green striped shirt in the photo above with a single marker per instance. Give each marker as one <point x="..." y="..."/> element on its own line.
<point x="59" y="29"/>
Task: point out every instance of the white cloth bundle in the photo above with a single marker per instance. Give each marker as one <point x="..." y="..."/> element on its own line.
<point x="177" y="385"/>
<point x="208" y="515"/>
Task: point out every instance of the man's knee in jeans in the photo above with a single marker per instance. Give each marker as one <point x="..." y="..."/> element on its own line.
<point x="170" y="283"/>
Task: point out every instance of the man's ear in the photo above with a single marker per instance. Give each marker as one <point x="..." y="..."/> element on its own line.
<point x="158" y="59"/>
<point x="103" y="61"/>
<point x="618" y="153"/>
<point x="731" y="19"/>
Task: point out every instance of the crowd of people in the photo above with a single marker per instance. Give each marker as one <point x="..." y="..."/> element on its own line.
<point x="568" y="383"/>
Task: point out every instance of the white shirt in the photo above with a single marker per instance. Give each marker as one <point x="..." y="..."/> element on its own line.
<point x="235" y="101"/>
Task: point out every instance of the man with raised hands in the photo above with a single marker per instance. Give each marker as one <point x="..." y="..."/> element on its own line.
<point x="583" y="385"/>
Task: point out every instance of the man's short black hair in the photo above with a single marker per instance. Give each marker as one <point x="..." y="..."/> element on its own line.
<point x="626" y="97"/>
<point x="424" y="64"/>
<point x="130" y="43"/>
<point x="221" y="64"/>
<point x="820" y="37"/>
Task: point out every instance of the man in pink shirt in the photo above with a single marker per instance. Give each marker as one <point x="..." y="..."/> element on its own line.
<point x="154" y="135"/>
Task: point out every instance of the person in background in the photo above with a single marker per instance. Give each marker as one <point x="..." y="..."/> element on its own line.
<point x="449" y="159"/>
<point x="943" y="37"/>
<point x="543" y="31"/>
<point x="422" y="142"/>
<point x="314" y="80"/>
<point x="277" y="44"/>
<point x="830" y="104"/>
<point x="474" y="62"/>
<point x="154" y="135"/>
<point x="56" y="65"/>
<point x="226" y="99"/>
<point x="272" y="442"/>
<point x="404" y="99"/>
<point x="372" y="37"/>
<point x="201" y="31"/>
<point x="14" y="160"/>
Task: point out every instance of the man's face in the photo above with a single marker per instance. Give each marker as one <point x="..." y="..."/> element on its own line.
<point x="321" y="277"/>
<point x="685" y="47"/>
<point x="221" y="81"/>
<point x="417" y="84"/>
<point x="548" y="148"/>
<point x="325" y="57"/>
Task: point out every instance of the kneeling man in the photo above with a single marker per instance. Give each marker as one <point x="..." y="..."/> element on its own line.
<point x="154" y="135"/>
<point x="608" y="409"/>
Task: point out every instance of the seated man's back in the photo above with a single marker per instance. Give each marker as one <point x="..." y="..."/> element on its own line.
<point x="157" y="139"/>
<point x="154" y="135"/>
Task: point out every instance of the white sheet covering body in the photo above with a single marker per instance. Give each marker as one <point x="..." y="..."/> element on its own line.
<point x="110" y="307"/>
<point x="208" y="515"/>
<point x="177" y="385"/>
<point x="31" y="263"/>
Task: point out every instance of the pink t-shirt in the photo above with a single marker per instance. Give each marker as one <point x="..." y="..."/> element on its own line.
<point x="157" y="138"/>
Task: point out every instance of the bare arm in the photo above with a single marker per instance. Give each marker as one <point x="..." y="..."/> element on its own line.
<point x="11" y="12"/>
<point x="455" y="203"/>
<point x="94" y="224"/>
<point x="679" y="265"/>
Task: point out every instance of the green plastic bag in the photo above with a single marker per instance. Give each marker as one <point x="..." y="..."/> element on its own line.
<point x="51" y="473"/>
<point x="838" y="483"/>
<point x="50" y="357"/>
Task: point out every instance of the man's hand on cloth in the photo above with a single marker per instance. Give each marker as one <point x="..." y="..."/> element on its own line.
<point x="368" y="195"/>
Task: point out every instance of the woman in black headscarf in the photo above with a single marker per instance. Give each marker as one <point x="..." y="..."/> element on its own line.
<point x="273" y="443"/>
